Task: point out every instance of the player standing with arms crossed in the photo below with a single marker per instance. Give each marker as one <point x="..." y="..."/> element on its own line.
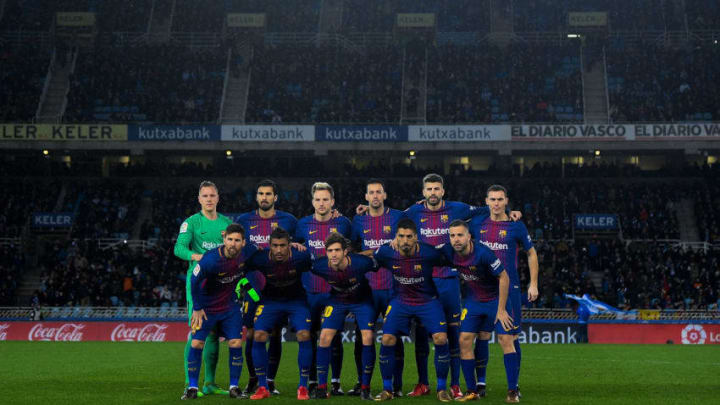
<point x="198" y="234"/>
<point x="212" y="288"/>
<point x="504" y="238"/>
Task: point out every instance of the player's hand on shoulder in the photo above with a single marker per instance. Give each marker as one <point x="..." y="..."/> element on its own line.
<point x="335" y="213"/>
<point x="196" y="257"/>
<point x="299" y="246"/>
<point x="515" y="215"/>
<point x="361" y="209"/>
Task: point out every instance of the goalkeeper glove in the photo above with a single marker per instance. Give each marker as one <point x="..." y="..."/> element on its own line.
<point x="244" y="285"/>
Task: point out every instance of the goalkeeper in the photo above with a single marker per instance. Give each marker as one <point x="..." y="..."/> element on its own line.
<point x="198" y="234"/>
<point x="213" y="289"/>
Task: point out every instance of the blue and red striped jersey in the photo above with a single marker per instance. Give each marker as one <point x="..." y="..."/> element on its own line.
<point x="348" y="286"/>
<point x="313" y="233"/>
<point x="258" y="229"/>
<point x="433" y="225"/>
<point x="504" y="238"/>
<point x="480" y="271"/>
<point x="373" y="232"/>
<point x="282" y="279"/>
<point x="214" y="277"/>
<point x="412" y="276"/>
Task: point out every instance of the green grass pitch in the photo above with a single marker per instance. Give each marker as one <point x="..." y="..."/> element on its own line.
<point x="104" y="373"/>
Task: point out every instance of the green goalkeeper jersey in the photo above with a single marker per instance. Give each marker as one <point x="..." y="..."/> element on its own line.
<point x="198" y="235"/>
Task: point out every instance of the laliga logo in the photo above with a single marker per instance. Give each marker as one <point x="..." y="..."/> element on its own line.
<point x="693" y="335"/>
<point x="68" y="332"/>
<point x="3" y="331"/>
<point x="151" y="332"/>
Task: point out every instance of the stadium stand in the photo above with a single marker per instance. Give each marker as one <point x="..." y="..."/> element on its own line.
<point x="22" y="74"/>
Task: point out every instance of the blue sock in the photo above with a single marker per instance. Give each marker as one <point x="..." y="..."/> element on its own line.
<point x="387" y="366"/>
<point x="454" y="344"/>
<point x="422" y="352"/>
<point x="235" y="363"/>
<point x="274" y="353"/>
<point x="442" y="364"/>
<point x="357" y="353"/>
<point x="482" y="356"/>
<point x="519" y="356"/>
<point x="260" y="359"/>
<point x="368" y="364"/>
<point x="304" y="362"/>
<point x="323" y="364"/>
<point x="193" y="366"/>
<point x="249" y="359"/>
<point x="337" y="356"/>
<point x="468" y="367"/>
<point x="511" y="370"/>
<point x="399" y="365"/>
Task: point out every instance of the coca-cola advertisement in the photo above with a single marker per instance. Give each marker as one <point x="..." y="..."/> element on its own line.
<point x="95" y="331"/>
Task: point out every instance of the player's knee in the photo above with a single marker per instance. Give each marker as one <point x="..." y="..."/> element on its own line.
<point x="303" y="335"/>
<point x="485" y="335"/>
<point x="367" y="337"/>
<point x="197" y="344"/>
<point x="440" y="338"/>
<point x="389" y="340"/>
<point x="466" y="340"/>
<point x="507" y="343"/>
<point x="260" y="336"/>
<point x="326" y="337"/>
<point x="235" y="343"/>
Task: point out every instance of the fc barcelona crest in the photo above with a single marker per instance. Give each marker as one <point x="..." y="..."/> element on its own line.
<point x="418" y="267"/>
<point x="503" y="233"/>
<point x="333" y="230"/>
<point x="387" y="229"/>
<point x="444" y="217"/>
<point x="273" y="225"/>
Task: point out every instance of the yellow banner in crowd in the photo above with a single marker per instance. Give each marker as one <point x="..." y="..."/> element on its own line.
<point x="246" y="20"/>
<point x="416" y="20"/>
<point x="61" y="132"/>
<point x="75" y="19"/>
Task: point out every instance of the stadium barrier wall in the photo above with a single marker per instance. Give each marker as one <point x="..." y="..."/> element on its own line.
<point x="81" y="331"/>
<point x="654" y="333"/>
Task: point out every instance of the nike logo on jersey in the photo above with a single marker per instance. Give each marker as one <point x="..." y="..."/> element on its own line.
<point x="423" y="219"/>
<point x="203" y="233"/>
<point x="396" y="267"/>
<point x="442" y="323"/>
<point x="483" y="231"/>
<point x="253" y="226"/>
<point x="312" y="232"/>
<point x="366" y="230"/>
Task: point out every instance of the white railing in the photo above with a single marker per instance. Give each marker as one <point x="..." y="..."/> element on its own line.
<point x="43" y="95"/>
<point x="225" y="85"/>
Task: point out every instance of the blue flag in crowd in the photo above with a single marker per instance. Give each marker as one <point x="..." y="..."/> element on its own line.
<point x="593" y="306"/>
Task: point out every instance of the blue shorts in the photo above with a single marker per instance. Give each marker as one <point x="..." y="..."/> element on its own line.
<point x="398" y="316"/>
<point x="381" y="299"/>
<point x="449" y="295"/>
<point x="316" y="304"/>
<point x="228" y="323"/>
<point x="514" y="309"/>
<point x="272" y="313"/>
<point x="249" y="308"/>
<point x="478" y="316"/>
<point x="336" y="312"/>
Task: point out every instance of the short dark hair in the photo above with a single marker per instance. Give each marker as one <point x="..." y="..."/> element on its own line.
<point x="235" y="228"/>
<point x="267" y="183"/>
<point x="335" y="237"/>
<point x="207" y="183"/>
<point x="375" y="181"/>
<point x="433" y="178"/>
<point x="407" y="223"/>
<point x="497" y="187"/>
<point x="459" y="222"/>
<point x="280" y="233"/>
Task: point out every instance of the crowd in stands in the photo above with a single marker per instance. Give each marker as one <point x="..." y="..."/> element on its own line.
<point x="22" y="74"/>
<point x="707" y="211"/>
<point x="107" y="210"/>
<point x="158" y="83"/>
<point x="381" y="16"/>
<point x="521" y="83"/>
<point x="21" y="199"/>
<point x="12" y="263"/>
<point x="651" y="83"/>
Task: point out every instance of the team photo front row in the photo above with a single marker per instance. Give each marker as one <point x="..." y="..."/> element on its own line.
<point x="446" y="269"/>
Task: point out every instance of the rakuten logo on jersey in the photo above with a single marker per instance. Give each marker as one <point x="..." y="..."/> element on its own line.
<point x="3" y="331"/>
<point x="151" y="332"/>
<point x="376" y="243"/>
<point x="68" y="332"/>
<point x="427" y="232"/>
<point x="495" y="245"/>
<point x="316" y="244"/>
